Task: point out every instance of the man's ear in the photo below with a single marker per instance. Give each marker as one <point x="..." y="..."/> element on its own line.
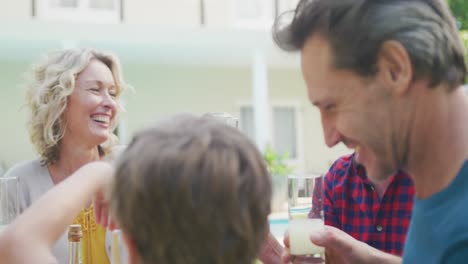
<point x="394" y="67"/>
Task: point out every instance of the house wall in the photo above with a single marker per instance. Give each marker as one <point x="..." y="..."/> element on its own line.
<point x="160" y="90"/>
<point x="163" y="90"/>
<point x="17" y="9"/>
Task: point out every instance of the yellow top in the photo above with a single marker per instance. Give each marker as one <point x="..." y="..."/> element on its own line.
<point x="93" y="244"/>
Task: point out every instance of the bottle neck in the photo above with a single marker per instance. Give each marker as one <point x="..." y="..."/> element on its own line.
<point x="74" y="252"/>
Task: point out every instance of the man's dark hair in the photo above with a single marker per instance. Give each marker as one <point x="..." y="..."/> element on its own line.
<point x="357" y="29"/>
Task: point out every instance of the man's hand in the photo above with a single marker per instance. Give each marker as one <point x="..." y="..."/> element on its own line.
<point x="341" y="248"/>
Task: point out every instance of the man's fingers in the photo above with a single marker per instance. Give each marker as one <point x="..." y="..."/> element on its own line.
<point x="332" y="238"/>
<point x="112" y="224"/>
<point x="286" y="258"/>
<point x="97" y="211"/>
<point x="286" y="239"/>
<point x="104" y="216"/>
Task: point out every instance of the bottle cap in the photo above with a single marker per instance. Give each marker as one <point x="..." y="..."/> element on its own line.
<point x="75" y="233"/>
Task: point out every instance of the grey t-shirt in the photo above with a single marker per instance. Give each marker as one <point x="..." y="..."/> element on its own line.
<point x="34" y="181"/>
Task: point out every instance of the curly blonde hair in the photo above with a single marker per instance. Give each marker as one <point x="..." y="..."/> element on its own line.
<point x="53" y="80"/>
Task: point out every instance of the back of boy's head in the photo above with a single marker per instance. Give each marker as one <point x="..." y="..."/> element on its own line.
<point x="192" y="190"/>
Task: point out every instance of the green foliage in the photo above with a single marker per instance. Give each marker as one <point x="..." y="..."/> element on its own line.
<point x="460" y="11"/>
<point x="276" y="164"/>
<point x="464" y="37"/>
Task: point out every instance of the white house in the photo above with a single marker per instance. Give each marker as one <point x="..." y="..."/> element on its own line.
<point x="180" y="56"/>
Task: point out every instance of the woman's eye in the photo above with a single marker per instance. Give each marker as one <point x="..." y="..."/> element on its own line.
<point x="113" y="94"/>
<point x="329" y="107"/>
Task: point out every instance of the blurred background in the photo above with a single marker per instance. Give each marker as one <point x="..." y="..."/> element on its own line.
<point x="179" y="56"/>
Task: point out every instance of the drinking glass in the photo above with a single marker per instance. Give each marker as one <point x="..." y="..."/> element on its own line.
<point x="9" y="200"/>
<point x="225" y="118"/>
<point x="305" y="208"/>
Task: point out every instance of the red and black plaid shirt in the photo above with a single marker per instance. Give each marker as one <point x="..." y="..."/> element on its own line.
<point x="351" y="204"/>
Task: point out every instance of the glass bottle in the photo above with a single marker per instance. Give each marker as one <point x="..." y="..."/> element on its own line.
<point x="74" y="239"/>
<point x="116" y="258"/>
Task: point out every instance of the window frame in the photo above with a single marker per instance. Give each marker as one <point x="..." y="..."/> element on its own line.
<point x="82" y="13"/>
<point x="262" y="22"/>
<point x="298" y="162"/>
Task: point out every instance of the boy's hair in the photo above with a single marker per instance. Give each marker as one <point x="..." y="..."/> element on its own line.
<point x="192" y="190"/>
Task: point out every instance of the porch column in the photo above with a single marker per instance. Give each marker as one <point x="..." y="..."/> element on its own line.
<point x="260" y="99"/>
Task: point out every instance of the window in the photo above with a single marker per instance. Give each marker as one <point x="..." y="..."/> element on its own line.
<point x="253" y="13"/>
<point x="105" y="11"/>
<point x="248" y="9"/>
<point x="285" y="128"/>
<point x="64" y="3"/>
<point x="246" y="121"/>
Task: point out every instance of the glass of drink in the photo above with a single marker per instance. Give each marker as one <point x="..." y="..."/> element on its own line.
<point x="225" y="118"/>
<point x="305" y="206"/>
<point x="9" y="200"/>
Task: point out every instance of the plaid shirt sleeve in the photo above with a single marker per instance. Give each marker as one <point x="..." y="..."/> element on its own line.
<point x="322" y="198"/>
<point x="352" y="204"/>
<point x="331" y="218"/>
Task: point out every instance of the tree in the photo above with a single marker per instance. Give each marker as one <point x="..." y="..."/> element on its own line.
<point x="460" y="11"/>
<point x="464" y="37"/>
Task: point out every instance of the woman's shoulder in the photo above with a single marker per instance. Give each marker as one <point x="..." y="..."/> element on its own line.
<point x="25" y="169"/>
